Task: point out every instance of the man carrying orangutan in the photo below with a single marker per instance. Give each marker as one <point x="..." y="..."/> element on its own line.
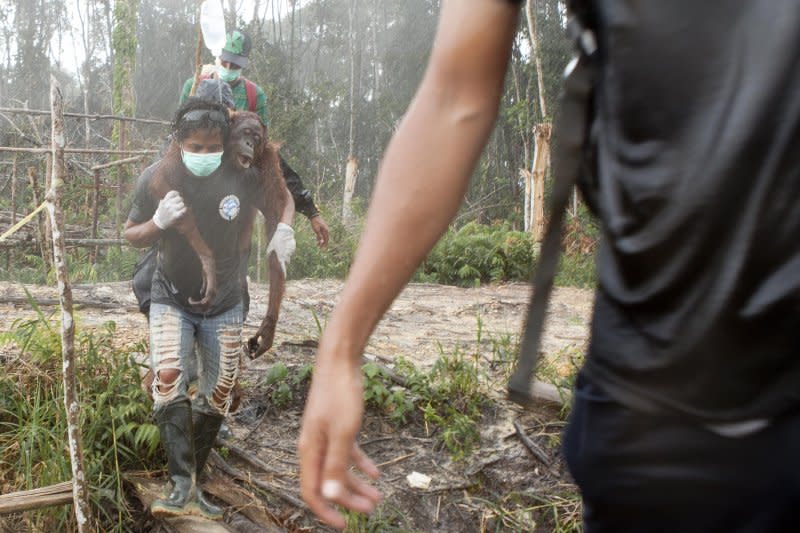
<point x="212" y="195"/>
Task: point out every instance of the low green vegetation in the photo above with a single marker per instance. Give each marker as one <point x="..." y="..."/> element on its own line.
<point x="115" y="263"/>
<point x="115" y="421"/>
<point x="472" y="255"/>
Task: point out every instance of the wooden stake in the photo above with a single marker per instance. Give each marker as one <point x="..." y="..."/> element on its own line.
<point x="80" y="492"/>
<point x="40" y="227"/>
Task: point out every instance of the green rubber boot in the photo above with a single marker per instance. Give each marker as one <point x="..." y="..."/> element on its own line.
<point x="206" y="427"/>
<point x="175" y="426"/>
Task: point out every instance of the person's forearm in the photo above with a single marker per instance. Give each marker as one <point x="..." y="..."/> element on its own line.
<point x="303" y="201"/>
<point x="141" y="235"/>
<point x="424" y="174"/>
<point x="287" y="217"/>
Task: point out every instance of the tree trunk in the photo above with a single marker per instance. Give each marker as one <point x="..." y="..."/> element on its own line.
<point x="293" y="4"/>
<point x="95" y="212"/>
<point x="350" y="175"/>
<point x="541" y="132"/>
<point x="13" y="207"/>
<point x="80" y="492"/>
<point x="525" y="174"/>
<point x="541" y="161"/>
<point x="351" y="168"/>
<point x="88" y="52"/>
<point x="124" y="101"/>
<point x="530" y="17"/>
<point x="121" y="174"/>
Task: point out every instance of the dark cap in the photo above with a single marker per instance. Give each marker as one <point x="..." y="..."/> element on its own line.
<point x="216" y="91"/>
<point x="236" y="49"/>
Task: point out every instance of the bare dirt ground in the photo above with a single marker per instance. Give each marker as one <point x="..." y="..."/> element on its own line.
<point x="499" y="487"/>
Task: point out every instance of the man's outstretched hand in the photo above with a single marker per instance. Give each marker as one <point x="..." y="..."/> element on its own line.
<point x="327" y="446"/>
<point x="321" y="230"/>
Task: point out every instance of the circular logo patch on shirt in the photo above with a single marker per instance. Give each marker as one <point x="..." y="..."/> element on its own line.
<point x="229" y="207"/>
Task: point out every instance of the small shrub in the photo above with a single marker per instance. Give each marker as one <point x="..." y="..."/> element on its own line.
<point x="478" y="254"/>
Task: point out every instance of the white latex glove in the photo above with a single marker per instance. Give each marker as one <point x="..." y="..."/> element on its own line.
<point x="283" y="244"/>
<point x="169" y="209"/>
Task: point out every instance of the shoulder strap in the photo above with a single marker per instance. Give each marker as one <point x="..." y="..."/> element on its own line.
<point x="571" y="133"/>
<point x="252" y="95"/>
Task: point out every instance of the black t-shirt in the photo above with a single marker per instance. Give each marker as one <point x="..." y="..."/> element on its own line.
<point x="218" y="202"/>
<point x="698" y="170"/>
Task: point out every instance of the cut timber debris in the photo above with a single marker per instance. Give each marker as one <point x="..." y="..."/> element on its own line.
<point x="535" y="450"/>
<point x="57" y="494"/>
<point x="244" y="502"/>
<point x="148" y="490"/>
<point x="550" y="393"/>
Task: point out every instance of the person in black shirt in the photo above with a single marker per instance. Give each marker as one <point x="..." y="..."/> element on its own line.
<point x="217" y="194"/>
<point x="687" y="412"/>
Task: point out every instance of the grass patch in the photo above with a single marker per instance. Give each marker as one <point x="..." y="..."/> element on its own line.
<point x="116" y="428"/>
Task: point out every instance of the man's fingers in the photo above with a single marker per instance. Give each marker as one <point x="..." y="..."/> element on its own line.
<point x="337" y="458"/>
<point x="364" y="463"/>
<point x="363" y="494"/>
<point x="311" y="449"/>
<point x="342" y="486"/>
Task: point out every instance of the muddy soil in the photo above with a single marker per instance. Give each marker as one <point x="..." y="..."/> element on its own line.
<point x="501" y="486"/>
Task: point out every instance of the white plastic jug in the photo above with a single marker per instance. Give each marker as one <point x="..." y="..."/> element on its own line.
<point x="212" y="24"/>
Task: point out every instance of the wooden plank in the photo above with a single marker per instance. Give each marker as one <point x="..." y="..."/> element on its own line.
<point x="57" y="494"/>
<point x="243" y="501"/>
<point x="148" y="490"/>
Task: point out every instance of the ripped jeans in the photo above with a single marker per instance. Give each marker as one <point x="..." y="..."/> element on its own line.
<point x="175" y="335"/>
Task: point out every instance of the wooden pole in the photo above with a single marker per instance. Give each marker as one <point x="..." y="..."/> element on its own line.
<point x="13" y="207"/>
<point x="120" y="182"/>
<point x="48" y="182"/>
<point x="80" y="493"/>
<point x="86" y="243"/>
<point x="82" y="115"/>
<point x="40" y="227"/>
<point x="95" y="211"/>
<point x="75" y="151"/>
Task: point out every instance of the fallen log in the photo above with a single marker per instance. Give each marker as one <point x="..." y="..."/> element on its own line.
<point x="235" y="473"/>
<point x="57" y="494"/>
<point x="148" y="490"/>
<point x="248" y="457"/>
<point x="244" y="502"/>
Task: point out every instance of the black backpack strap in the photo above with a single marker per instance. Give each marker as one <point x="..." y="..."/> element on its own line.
<point x="571" y="131"/>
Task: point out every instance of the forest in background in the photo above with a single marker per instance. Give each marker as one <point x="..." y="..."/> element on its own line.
<point x="338" y="74"/>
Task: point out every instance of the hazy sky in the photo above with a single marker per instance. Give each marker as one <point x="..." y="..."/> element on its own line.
<point x="70" y="53"/>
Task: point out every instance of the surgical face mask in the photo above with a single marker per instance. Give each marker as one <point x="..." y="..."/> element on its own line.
<point x="229" y="75"/>
<point x="201" y="165"/>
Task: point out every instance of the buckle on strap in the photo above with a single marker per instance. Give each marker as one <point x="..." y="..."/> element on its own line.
<point x="584" y="38"/>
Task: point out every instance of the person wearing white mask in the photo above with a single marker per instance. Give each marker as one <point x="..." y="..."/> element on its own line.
<point x="217" y="195"/>
<point x="247" y="95"/>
